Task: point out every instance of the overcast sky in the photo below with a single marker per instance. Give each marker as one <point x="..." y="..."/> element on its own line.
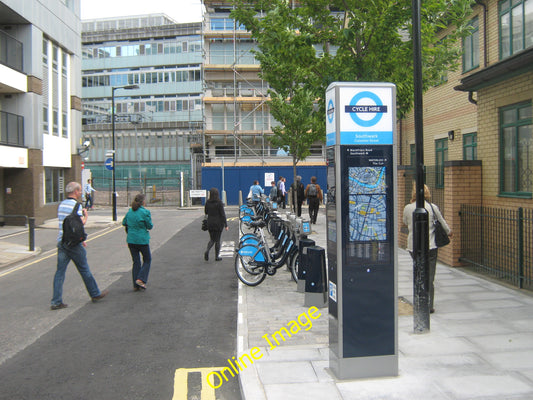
<point x="179" y="10"/>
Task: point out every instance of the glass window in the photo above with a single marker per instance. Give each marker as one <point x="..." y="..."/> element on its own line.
<point x="55" y="122"/>
<point x="441" y="155"/>
<point x="471" y="47"/>
<point x="64" y="128"/>
<point x="470" y="146"/>
<point x="54" y="185"/>
<point x="516" y="150"/>
<point x="516" y="26"/>
<point x="45" y="51"/>
<point x="45" y="119"/>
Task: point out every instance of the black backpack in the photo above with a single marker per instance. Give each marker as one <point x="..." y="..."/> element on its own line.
<point x="312" y="191"/>
<point x="73" y="229"/>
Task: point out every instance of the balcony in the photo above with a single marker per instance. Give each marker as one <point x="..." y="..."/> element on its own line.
<point x="12" y="79"/>
<point x="11" y="129"/>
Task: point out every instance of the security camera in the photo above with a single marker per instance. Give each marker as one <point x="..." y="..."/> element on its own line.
<point x="87" y="143"/>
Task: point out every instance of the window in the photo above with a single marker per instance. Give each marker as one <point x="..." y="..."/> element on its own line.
<point x="54" y="185"/>
<point x="470" y="146"/>
<point x="64" y="64"/>
<point x="45" y="119"/>
<point x="516" y="26"/>
<point x="441" y="155"/>
<point x="65" y="125"/>
<point x="55" y="121"/>
<point x="516" y="150"/>
<point x="471" y="47"/>
<point x="45" y="52"/>
<point x="55" y="56"/>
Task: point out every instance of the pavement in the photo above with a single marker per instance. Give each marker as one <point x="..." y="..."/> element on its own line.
<point x="480" y="345"/>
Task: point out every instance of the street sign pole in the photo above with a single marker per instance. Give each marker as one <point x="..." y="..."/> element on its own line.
<point x="420" y="215"/>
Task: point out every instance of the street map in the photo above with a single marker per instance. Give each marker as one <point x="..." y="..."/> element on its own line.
<point x="367" y="203"/>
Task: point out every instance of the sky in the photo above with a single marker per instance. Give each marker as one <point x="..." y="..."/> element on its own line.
<point x="179" y="10"/>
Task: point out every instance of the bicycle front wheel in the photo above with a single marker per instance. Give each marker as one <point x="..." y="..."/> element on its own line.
<point x="294" y="265"/>
<point x="249" y="274"/>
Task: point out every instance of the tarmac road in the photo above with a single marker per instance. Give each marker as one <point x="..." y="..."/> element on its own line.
<point x="157" y="344"/>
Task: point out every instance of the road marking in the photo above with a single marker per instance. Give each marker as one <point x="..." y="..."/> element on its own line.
<point x="51" y="253"/>
<point x="227" y="249"/>
<point x="232" y="218"/>
<point x="181" y="383"/>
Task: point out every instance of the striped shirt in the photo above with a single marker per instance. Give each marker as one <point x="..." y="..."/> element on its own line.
<point x="64" y="209"/>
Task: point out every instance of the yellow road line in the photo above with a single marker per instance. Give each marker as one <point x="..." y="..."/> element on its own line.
<point x="52" y="253"/>
<point x="181" y="378"/>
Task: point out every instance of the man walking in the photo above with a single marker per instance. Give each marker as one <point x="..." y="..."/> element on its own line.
<point x="314" y="194"/>
<point x="297" y="196"/>
<point x="281" y="192"/>
<point x="88" y="189"/>
<point x="77" y="253"/>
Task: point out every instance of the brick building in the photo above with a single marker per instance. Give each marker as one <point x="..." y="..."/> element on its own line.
<point x="478" y="121"/>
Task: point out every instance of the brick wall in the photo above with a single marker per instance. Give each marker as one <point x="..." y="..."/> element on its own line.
<point x="463" y="186"/>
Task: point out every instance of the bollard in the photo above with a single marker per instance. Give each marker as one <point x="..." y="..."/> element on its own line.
<point x="31" y="230"/>
<point x="315" y="281"/>
<point x="303" y="262"/>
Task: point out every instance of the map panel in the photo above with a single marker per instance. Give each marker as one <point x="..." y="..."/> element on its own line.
<point x="367" y="203"/>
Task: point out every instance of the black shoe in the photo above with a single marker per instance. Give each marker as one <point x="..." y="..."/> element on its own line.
<point x="432" y="310"/>
<point x="218" y="259"/>
<point x="100" y="296"/>
<point x="58" y="306"/>
<point x="206" y="256"/>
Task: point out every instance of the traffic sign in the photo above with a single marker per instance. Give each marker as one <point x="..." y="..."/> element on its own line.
<point x="109" y="164"/>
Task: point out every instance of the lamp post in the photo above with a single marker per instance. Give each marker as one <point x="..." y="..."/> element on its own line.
<point x="127" y="87"/>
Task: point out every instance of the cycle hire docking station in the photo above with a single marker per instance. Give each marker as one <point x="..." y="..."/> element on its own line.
<point x="361" y="229"/>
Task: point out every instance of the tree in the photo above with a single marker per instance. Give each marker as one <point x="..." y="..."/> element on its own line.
<point x="305" y="45"/>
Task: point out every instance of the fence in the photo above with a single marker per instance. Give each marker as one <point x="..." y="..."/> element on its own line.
<point x="499" y="242"/>
<point x="159" y="191"/>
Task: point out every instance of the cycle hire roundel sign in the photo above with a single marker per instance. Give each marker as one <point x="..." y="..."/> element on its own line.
<point x="366" y="114"/>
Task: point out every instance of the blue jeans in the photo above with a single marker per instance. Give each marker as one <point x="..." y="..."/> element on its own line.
<point x="140" y="271"/>
<point x="88" y="201"/>
<point x="78" y="255"/>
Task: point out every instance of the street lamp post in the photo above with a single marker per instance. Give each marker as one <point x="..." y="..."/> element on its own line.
<point x="127" y="87"/>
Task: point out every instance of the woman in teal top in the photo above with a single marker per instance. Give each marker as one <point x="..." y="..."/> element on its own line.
<point x="138" y="221"/>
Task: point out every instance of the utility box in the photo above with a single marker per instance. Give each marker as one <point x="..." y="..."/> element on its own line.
<point x="361" y="229"/>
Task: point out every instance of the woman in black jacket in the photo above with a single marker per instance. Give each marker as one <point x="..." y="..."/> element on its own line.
<point x="216" y="222"/>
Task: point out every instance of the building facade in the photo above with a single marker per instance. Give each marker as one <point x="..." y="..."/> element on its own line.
<point x="151" y="67"/>
<point x="479" y="121"/>
<point x="40" y="104"/>
<point x="238" y="123"/>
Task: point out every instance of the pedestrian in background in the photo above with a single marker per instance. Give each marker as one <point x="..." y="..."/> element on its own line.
<point x="88" y="190"/>
<point x="273" y="192"/>
<point x="314" y="194"/>
<point x="256" y="191"/>
<point x="76" y="253"/>
<point x="433" y="212"/>
<point x="216" y="222"/>
<point x="298" y="194"/>
<point x="281" y="192"/>
<point x="137" y="222"/>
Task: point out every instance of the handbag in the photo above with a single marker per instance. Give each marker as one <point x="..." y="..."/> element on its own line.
<point x="441" y="237"/>
<point x="204" y="224"/>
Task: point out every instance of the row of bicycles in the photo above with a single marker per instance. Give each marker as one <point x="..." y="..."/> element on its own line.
<point x="259" y="223"/>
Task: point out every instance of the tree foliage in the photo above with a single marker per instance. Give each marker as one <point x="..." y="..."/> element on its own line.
<point x="305" y="45"/>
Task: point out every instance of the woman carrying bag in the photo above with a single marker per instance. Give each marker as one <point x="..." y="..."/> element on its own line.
<point x="138" y="221"/>
<point x="434" y="215"/>
<point x="216" y="222"/>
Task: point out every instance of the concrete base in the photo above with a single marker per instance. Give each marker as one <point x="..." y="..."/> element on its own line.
<point x="363" y="367"/>
<point x="319" y="300"/>
<point x="300" y="287"/>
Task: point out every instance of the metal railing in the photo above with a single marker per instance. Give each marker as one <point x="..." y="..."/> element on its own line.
<point x="11" y="51"/>
<point x="159" y="191"/>
<point x="11" y="129"/>
<point x="499" y="242"/>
